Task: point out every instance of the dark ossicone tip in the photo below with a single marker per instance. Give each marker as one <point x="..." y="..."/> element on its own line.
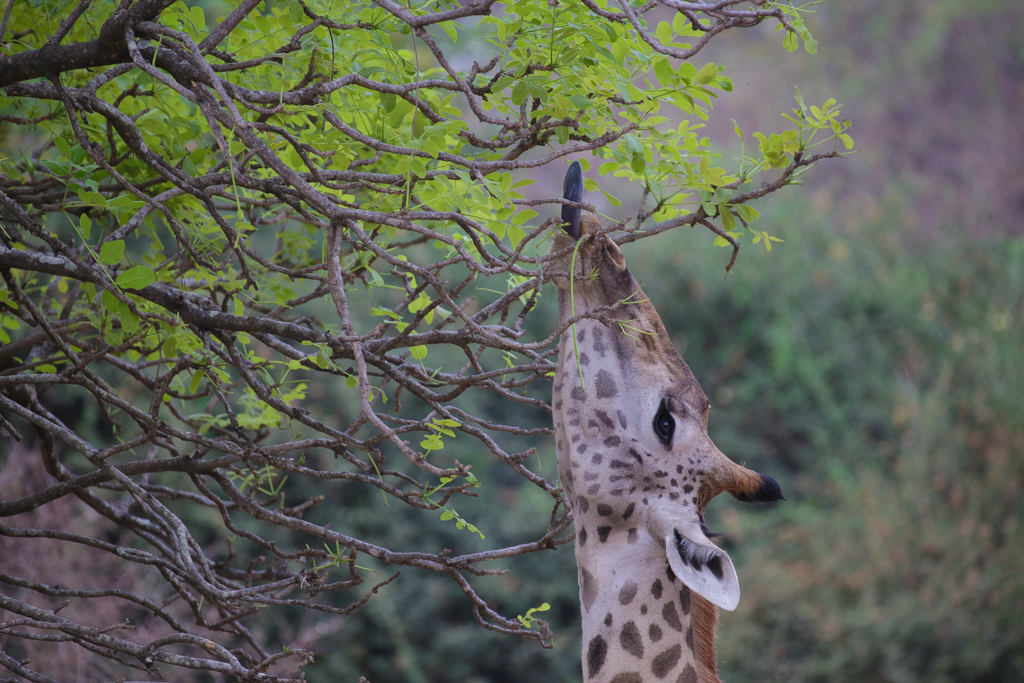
<point x="768" y="491"/>
<point x="573" y="191"/>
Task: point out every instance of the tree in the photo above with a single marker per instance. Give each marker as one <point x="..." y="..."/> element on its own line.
<point x="205" y="218"/>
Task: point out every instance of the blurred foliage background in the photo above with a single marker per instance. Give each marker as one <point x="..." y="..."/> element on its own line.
<point x="872" y="363"/>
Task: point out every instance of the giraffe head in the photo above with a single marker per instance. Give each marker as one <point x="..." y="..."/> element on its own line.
<point x="631" y="418"/>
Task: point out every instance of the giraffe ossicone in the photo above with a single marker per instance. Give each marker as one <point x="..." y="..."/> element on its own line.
<point x="638" y="470"/>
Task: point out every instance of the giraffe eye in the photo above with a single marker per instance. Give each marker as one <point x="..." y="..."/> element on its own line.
<point x="664" y="424"/>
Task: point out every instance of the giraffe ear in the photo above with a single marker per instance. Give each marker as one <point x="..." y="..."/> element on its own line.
<point x="704" y="567"/>
<point x="573" y="191"/>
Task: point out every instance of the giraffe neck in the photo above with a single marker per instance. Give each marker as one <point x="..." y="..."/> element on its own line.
<point x="637" y="617"/>
<point x="640" y="623"/>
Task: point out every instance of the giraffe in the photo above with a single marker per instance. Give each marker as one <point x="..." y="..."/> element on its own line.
<point x="638" y="470"/>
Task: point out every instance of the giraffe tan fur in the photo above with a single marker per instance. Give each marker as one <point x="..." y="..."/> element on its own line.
<point x="638" y="470"/>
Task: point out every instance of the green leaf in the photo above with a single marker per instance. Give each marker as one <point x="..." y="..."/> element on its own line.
<point x="129" y="320"/>
<point x="687" y="72"/>
<point x="665" y="33"/>
<point x="197" y="379"/>
<point x="377" y="310"/>
<point x="112" y="252"/>
<point x="111" y="303"/>
<point x="135" y="278"/>
<point x="580" y="101"/>
<point x="523" y="216"/>
<point x="197" y="17"/>
<point x="665" y="73"/>
<point x="519" y="93"/>
<point x="728" y="221"/>
<point x="638" y="163"/>
<point x="613" y="200"/>
<point x="749" y="213"/>
<point x="810" y="44"/>
<point x="418" y="352"/>
<point x="515" y="235"/>
<point x="707" y="74"/>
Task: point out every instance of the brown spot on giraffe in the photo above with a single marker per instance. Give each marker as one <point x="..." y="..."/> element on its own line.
<point x="689" y="675"/>
<point x="588" y="589"/>
<point x="628" y="677"/>
<point x="671" y="616"/>
<point x="666" y="661"/>
<point x="627" y="593"/>
<point x="630" y="640"/>
<point x="684" y="599"/>
<point x="606" y="387"/>
<point x="596" y="653"/>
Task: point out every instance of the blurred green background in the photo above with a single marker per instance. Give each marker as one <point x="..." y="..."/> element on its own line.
<point x="872" y="363"/>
